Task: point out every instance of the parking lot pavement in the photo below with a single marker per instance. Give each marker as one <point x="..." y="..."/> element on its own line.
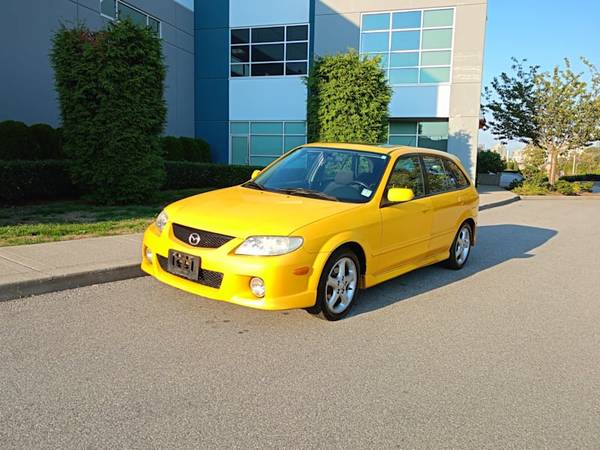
<point x="504" y="354"/>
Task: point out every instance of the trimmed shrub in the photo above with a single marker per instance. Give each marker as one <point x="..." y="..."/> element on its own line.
<point x="348" y="99"/>
<point x="110" y="85"/>
<point x="16" y="141"/>
<point x="34" y="180"/>
<point x="584" y="177"/>
<point x="489" y="162"/>
<point x="185" y="149"/>
<point x="530" y="188"/>
<point x="48" y="140"/>
<point x="184" y="175"/>
<point x="564" y="187"/>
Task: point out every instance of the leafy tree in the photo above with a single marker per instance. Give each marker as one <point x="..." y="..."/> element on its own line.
<point x="348" y="100"/>
<point x="489" y="161"/>
<point x="557" y="111"/>
<point x="110" y="86"/>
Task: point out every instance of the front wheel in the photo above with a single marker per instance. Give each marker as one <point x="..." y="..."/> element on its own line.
<point x="338" y="285"/>
<point x="461" y="248"/>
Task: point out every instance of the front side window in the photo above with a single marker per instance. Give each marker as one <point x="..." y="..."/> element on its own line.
<point x="414" y="47"/>
<point x="407" y="174"/>
<point x="437" y="179"/>
<point x="269" y="51"/>
<point x="325" y="173"/>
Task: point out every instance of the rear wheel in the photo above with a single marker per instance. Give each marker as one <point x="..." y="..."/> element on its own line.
<point x="338" y="285"/>
<point x="461" y="248"/>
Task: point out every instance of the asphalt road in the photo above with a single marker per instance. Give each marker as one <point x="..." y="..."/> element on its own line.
<point x="504" y="354"/>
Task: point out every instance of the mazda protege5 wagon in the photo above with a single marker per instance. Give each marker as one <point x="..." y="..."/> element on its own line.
<point x="315" y="226"/>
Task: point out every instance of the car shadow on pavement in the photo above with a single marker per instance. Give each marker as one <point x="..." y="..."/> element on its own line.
<point x="495" y="245"/>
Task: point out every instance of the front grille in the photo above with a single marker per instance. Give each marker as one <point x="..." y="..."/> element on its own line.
<point x="205" y="277"/>
<point x="201" y="238"/>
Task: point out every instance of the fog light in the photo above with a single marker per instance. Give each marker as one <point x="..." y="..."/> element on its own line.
<point x="148" y="254"/>
<point x="257" y="286"/>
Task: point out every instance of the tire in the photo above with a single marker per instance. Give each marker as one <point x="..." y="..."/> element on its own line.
<point x="336" y="293"/>
<point x="461" y="247"/>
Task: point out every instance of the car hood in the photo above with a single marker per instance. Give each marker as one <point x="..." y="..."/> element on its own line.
<point x="242" y="212"/>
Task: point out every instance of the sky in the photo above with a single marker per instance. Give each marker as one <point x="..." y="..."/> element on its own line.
<point x="543" y="32"/>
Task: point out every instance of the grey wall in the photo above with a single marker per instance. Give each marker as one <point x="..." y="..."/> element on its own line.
<point x="26" y="78"/>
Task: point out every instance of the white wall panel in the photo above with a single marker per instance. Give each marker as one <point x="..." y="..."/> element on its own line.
<point x="267" y="98"/>
<point x="267" y="12"/>
<point x="420" y="101"/>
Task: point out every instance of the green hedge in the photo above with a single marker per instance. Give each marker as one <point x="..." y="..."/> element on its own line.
<point x="185" y="149"/>
<point x="585" y="177"/>
<point x="183" y="175"/>
<point x="20" y="142"/>
<point x="49" y="180"/>
<point x="34" y="180"/>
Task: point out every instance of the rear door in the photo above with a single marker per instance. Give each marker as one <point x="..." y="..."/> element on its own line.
<point x="445" y="194"/>
<point x="405" y="226"/>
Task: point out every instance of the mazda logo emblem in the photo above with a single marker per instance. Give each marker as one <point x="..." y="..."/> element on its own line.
<point x="194" y="239"/>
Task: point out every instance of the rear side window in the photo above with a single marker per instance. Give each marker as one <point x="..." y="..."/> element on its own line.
<point x="437" y="178"/>
<point x="407" y="174"/>
<point x="457" y="177"/>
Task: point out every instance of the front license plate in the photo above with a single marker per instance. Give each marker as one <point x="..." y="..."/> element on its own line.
<point x="184" y="265"/>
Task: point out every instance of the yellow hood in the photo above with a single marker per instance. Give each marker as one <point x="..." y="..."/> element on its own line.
<point x="242" y="212"/>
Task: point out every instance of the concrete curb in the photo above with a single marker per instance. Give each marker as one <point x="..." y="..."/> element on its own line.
<point x="507" y="201"/>
<point x="46" y="285"/>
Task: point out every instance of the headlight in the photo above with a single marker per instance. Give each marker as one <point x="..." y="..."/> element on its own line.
<point x="269" y="245"/>
<point x="161" y="220"/>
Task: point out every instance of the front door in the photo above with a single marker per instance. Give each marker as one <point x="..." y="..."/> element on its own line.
<point x="405" y="227"/>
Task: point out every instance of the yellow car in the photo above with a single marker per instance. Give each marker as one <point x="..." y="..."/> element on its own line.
<point x="315" y="226"/>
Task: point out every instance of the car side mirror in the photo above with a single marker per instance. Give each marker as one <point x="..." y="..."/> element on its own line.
<point x="400" y="195"/>
<point x="255" y="174"/>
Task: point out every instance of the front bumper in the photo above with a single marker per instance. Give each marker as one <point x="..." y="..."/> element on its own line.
<point x="284" y="289"/>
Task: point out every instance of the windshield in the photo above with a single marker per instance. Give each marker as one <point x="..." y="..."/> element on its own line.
<point x="326" y="173"/>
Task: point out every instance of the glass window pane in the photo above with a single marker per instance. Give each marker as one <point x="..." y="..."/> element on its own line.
<point x="438" y="18"/>
<point x="296" y="68"/>
<point x="154" y="24"/>
<point x="435" y="58"/>
<point x="410" y="19"/>
<point x="375" y="42"/>
<point x="435" y="75"/>
<point x="261" y="161"/>
<point x="382" y="56"/>
<point x="239" y="128"/>
<point x="240" y="53"/>
<point x="296" y="52"/>
<point x="437" y="179"/>
<point x="295" y="128"/>
<point x="436" y="143"/>
<point x="437" y="39"/>
<point x="240" y="36"/>
<point x="458" y="177"/>
<point x="403" y="128"/>
<point x="270" y="34"/>
<point x="433" y="128"/>
<point x="267" y="52"/>
<point x="240" y="70"/>
<point x="267" y="128"/>
<point x="125" y="12"/>
<point x="404" y="59"/>
<point x="405" y="40"/>
<point x="266" y="145"/>
<point x="407" y="174"/>
<point x="109" y="8"/>
<point x="293" y="141"/>
<point x="297" y="33"/>
<point x="376" y="22"/>
<point x="239" y="150"/>
<point x="404" y="76"/>
<point x="410" y="141"/>
<point x="264" y="70"/>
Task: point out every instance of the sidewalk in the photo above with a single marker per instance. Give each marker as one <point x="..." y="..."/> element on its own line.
<point x="41" y="268"/>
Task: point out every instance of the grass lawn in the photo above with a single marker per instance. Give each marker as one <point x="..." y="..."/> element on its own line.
<point x="62" y="220"/>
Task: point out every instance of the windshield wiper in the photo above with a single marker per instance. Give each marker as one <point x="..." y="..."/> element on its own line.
<point x="308" y="193"/>
<point x="253" y="185"/>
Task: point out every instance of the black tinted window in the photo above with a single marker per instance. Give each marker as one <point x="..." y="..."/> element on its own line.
<point x="407" y="174"/>
<point x="457" y="177"/>
<point x="437" y="179"/>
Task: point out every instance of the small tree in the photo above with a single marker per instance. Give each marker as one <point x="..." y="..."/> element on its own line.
<point x="556" y="111"/>
<point x="110" y="87"/>
<point x="489" y="161"/>
<point x="348" y="100"/>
